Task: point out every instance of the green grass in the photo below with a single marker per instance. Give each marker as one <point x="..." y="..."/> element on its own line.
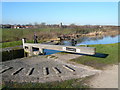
<point x="15" y="43"/>
<point x="11" y="44"/>
<point x="74" y="83"/>
<point x="97" y="62"/>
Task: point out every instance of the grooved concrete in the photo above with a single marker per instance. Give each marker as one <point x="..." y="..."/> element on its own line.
<point x="57" y="71"/>
<point x="30" y="71"/>
<point x="16" y="72"/>
<point x="6" y="69"/>
<point x="69" y="68"/>
<point x="42" y="69"/>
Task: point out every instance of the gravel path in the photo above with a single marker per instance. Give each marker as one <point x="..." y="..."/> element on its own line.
<point x="108" y="78"/>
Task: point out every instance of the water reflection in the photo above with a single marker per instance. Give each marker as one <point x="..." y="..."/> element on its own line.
<point x="88" y="41"/>
<point x="94" y="40"/>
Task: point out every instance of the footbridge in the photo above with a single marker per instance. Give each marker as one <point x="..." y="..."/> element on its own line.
<point x="36" y="48"/>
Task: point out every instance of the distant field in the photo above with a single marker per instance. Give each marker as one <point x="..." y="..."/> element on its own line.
<point x="17" y="34"/>
<point x="13" y="37"/>
<point x="9" y="35"/>
<point x="97" y="62"/>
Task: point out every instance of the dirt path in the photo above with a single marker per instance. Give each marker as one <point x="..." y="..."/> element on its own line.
<point x="108" y="78"/>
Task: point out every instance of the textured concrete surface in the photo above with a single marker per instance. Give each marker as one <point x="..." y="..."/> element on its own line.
<point x="43" y="69"/>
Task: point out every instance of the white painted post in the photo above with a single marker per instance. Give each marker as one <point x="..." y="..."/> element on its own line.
<point x="23" y="41"/>
<point x="30" y="51"/>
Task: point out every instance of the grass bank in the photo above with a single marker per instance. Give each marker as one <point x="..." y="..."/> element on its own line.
<point x="14" y="43"/>
<point x="11" y="44"/>
<point x="99" y="62"/>
<point x="74" y="83"/>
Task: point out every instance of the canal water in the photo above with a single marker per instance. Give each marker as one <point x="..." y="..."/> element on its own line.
<point x="87" y="41"/>
<point x="94" y="40"/>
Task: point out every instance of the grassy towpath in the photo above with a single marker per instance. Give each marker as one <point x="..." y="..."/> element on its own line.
<point x="110" y="50"/>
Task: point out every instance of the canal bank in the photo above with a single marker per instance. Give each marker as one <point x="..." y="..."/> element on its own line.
<point x="32" y="65"/>
<point x="17" y="51"/>
<point x="12" y="53"/>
